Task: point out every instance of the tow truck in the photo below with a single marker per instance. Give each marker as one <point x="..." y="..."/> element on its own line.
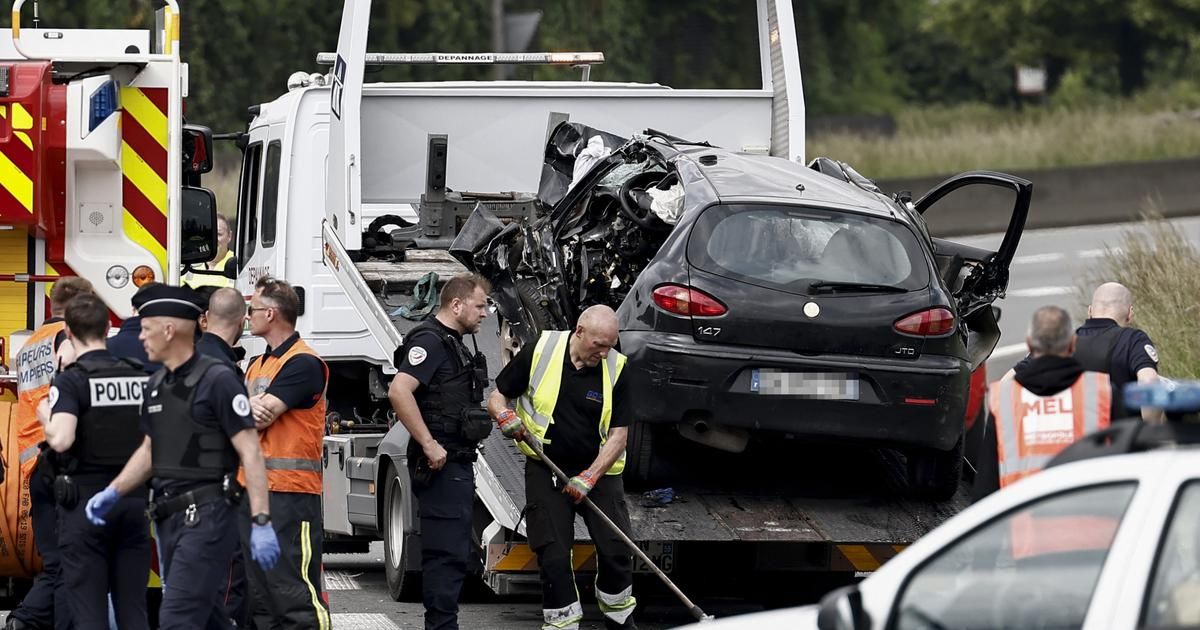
<point x="98" y="178"/>
<point x="352" y="192"/>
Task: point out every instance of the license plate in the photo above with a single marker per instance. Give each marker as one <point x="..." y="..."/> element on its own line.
<point x="823" y="385"/>
<point x="662" y="553"/>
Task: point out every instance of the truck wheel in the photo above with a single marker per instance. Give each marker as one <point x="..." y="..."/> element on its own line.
<point x="934" y="475"/>
<point x="639" y="460"/>
<point x="401" y="583"/>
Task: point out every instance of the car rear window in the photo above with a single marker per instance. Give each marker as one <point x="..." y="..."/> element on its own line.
<point x="789" y="248"/>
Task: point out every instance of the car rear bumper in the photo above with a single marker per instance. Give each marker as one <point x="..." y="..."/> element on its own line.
<point x="677" y="380"/>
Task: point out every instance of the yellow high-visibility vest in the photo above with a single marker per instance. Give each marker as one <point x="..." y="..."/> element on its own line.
<point x="536" y="406"/>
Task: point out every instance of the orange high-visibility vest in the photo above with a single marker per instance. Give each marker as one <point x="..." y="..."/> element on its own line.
<point x="1032" y="429"/>
<point x="36" y="367"/>
<point x="291" y="446"/>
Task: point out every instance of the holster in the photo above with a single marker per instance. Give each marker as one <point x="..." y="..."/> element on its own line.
<point x="66" y="492"/>
<point x="475" y="424"/>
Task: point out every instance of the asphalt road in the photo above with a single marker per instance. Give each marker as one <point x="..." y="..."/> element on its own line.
<point x="1048" y="266"/>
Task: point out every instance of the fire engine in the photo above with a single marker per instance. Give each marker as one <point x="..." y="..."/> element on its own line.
<point x="93" y="161"/>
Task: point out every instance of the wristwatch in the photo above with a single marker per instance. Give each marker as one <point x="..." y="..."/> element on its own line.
<point x="262" y="518"/>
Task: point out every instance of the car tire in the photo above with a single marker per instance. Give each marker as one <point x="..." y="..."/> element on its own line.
<point x="934" y="475"/>
<point x="639" y="454"/>
<point x="538" y="313"/>
<point x="396" y="543"/>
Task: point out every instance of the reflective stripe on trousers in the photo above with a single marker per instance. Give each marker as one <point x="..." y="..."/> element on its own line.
<point x="565" y="618"/>
<point x="617" y="607"/>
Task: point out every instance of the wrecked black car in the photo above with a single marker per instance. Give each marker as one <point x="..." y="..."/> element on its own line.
<point x="757" y="297"/>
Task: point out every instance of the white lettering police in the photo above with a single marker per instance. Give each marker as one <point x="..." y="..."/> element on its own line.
<point x="117" y="391"/>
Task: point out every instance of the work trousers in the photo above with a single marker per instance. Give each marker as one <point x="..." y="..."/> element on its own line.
<point x="550" y="522"/>
<point x="44" y="606"/>
<point x="112" y="558"/>
<point x="195" y="567"/>
<point x="446" y="504"/>
<point x="289" y="596"/>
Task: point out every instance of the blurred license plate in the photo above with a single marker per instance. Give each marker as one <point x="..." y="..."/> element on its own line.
<point x="662" y="553"/>
<point x="825" y="385"/>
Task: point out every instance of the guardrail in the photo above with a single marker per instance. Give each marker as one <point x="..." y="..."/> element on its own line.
<point x="1065" y="197"/>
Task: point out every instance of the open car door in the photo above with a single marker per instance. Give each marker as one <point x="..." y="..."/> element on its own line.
<point x="978" y="276"/>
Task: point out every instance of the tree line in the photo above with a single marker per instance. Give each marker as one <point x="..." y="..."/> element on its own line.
<point x="857" y="56"/>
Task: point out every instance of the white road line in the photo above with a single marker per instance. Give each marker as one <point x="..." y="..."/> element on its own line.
<point x="340" y="581"/>
<point x="1097" y="253"/>
<point x="362" y="621"/>
<point x="1035" y="292"/>
<point x="1033" y="259"/>
<point x="1009" y="350"/>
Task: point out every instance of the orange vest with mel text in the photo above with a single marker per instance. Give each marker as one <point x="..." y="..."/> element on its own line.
<point x="291" y="445"/>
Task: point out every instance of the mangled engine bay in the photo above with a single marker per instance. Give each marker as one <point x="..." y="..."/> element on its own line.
<point x="606" y="207"/>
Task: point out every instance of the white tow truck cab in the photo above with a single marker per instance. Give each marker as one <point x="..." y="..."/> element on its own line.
<point x="352" y="191"/>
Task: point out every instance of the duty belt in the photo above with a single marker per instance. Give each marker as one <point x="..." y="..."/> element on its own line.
<point x="462" y="456"/>
<point x="160" y="508"/>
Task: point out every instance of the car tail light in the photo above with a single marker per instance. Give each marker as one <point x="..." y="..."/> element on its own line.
<point x="928" y="323"/>
<point x="681" y="300"/>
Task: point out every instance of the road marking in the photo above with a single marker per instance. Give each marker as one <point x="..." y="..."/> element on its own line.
<point x="1098" y="253"/>
<point x="340" y="581"/>
<point x="362" y="621"/>
<point x="1010" y="350"/>
<point x="1040" y="292"/>
<point x="1032" y="259"/>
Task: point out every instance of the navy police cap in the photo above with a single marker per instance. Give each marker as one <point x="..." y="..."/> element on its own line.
<point x="167" y="301"/>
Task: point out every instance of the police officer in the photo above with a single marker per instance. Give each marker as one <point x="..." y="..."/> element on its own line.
<point x="1045" y="406"/>
<point x="573" y="403"/>
<point x="436" y="394"/>
<point x="36" y="366"/>
<point x="126" y="344"/>
<point x="222" y="323"/>
<point x="96" y="406"/>
<point x="287" y="399"/>
<point x="1107" y="343"/>
<point x="198" y="427"/>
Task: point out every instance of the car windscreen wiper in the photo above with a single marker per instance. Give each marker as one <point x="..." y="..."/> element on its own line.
<point x="824" y="286"/>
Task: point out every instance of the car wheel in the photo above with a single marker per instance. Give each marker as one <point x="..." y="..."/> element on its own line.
<point x="639" y="454"/>
<point x="401" y="583"/>
<point x="539" y="315"/>
<point x="934" y="475"/>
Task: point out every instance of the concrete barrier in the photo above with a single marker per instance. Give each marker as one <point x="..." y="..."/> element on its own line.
<point x="1080" y="195"/>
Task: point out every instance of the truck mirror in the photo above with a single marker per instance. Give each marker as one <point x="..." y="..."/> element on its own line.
<point x="199" y="226"/>
<point x="197" y="149"/>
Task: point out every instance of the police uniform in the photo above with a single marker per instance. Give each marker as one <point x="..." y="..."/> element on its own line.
<point x="191" y="414"/>
<point x="570" y="412"/>
<point x="289" y="594"/>
<point x="36" y="367"/>
<point x="216" y="347"/>
<point x="105" y="394"/>
<point x="1101" y="345"/>
<point x="452" y="383"/>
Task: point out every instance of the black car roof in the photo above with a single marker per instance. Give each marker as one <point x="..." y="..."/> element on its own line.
<point x="742" y="176"/>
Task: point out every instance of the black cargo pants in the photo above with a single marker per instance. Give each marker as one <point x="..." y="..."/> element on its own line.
<point x="446" y="504"/>
<point x="290" y="595"/>
<point x="550" y="519"/>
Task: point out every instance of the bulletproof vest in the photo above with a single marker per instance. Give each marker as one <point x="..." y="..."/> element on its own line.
<point x="181" y="448"/>
<point x="445" y="400"/>
<point x="107" y="433"/>
<point x="1094" y="353"/>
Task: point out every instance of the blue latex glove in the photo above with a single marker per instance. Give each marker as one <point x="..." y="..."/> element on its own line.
<point x="264" y="546"/>
<point x="100" y="504"/>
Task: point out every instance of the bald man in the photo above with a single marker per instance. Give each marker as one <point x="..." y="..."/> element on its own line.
<point x="1107" y="343"/>
<point x="571" y="401"/>
<point x="222" y="325"/>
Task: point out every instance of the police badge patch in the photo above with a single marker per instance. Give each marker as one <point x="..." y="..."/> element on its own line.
<point x="416" y="355"/>
<point x="241" y="405"/>
<point x="1152" y="353"/>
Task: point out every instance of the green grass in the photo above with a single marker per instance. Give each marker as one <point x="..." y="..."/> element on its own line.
<point x="1158" y="263"/>
<point x="942" y="140"/>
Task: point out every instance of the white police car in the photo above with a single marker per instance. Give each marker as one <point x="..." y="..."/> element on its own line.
<point x="1098" y="540"/>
